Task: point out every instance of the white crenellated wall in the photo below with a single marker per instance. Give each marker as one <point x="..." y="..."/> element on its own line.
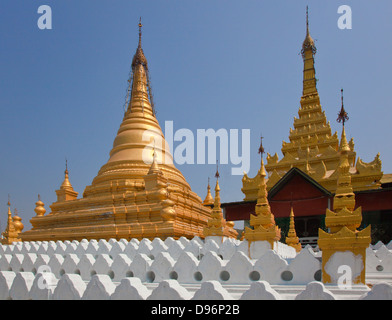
<point x="181" y="269"/>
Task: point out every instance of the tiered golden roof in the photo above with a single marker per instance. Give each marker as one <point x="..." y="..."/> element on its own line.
<point x="138" y="193"/>
<point x="312" y="147"/>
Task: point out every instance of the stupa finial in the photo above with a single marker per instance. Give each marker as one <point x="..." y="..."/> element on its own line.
<point x="217" y="171"/>
<point x="308" y="43"/>
<point x="342" y="115"/>
<point x="307" y="20"/>
<point x="261" y="148"/>
<point x="140" y="32"/>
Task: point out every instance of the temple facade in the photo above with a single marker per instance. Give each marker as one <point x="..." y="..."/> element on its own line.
<point x="138" y="193"/>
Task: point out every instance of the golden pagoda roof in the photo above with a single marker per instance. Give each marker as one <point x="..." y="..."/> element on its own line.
<point x="312" y="146"/>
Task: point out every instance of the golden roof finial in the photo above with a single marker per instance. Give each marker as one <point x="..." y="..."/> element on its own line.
<point x="140" y="32"/>
<point x="342" y="115"/>
<point x="261" y="148"/>
<point x="307" y="20"/>
<point x="308" y="43"/>
<point x="66" y="184"/>
<point x="217" y="171"/>
<point x="139" y="57"/>
<point x="66" y="166"/>
<point x="342" y="118"/>
<point x="261" y="151"/>
<point x="39" y="207"/>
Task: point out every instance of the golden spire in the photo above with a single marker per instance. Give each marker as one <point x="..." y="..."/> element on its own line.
<point x="308" y="51"/>
<point x="66" y="184"/>
<point x="130" y="156"/>
<point x="292" y="240"/>
<point x="66" y="191"/>
<point x="209" y="199"/>
<point x="139" y="57"/>
<point x="263" y="221"/>
<point x="344" y="196"/>
<point x="154" y="165"/>
<point x="343" y="221"/>
<point x="308" y="43"/>
<point x="140" y="32"/>
<point x="10" y="224"/>
<point x="9" y="235"/>
<point x="140" y="79"/>
<point x="217" y="203"/>
<point x="217" y="225"/>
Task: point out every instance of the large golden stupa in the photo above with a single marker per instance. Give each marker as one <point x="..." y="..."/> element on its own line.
<point x="138" y="193"/>
<point x="312" y="147"/>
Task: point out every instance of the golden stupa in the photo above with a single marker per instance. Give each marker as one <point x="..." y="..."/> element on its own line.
<point x="312" y="147"/>
<point x="13" y="229"/>
<point x="217" y="226"/>
<point x="138" y="193"/>
<point x="262" y="222"/>
<point x="344" y="220"/>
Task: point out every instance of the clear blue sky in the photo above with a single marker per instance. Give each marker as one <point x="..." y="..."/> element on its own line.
<point x="213" y="64"/>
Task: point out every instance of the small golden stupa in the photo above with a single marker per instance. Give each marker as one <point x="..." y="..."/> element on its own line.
<point x="217" y="226"/>
<point x="292" y="240"/>
<point x="312" y="147"/>
<point x="263" y="221"/>
<point x="344" y="220"/>
<point x="13" y="229"/>
<point x="209" y="200"/>
<point x="138" y="193"/>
